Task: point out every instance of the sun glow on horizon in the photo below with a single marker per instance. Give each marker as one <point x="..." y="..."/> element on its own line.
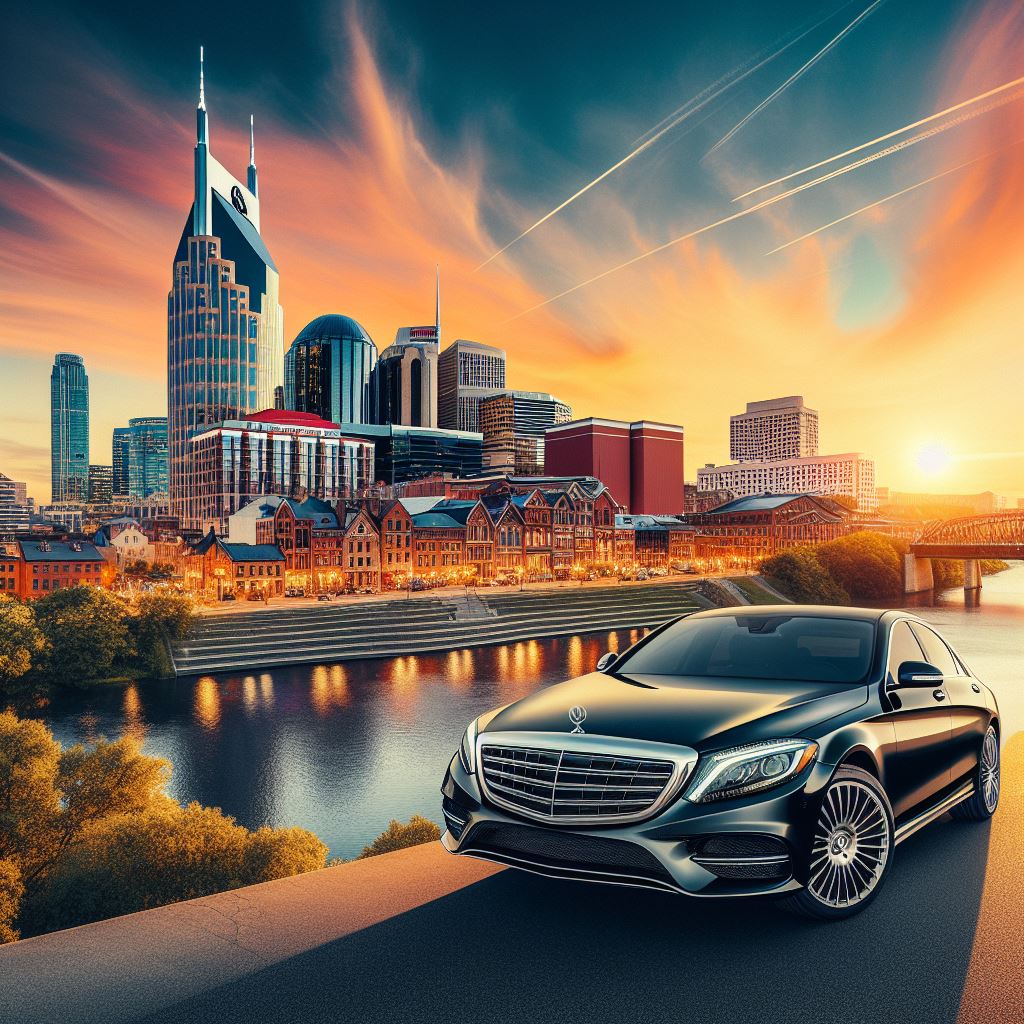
<point x="934" y="459"/>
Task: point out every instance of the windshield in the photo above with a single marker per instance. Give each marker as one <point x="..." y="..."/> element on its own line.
<point x="804" y="648"/>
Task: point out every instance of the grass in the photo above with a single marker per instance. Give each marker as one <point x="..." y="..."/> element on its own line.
<point x="753" y="591"/>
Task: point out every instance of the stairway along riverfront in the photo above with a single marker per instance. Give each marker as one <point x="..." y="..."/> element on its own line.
<point x="386" y="628"/>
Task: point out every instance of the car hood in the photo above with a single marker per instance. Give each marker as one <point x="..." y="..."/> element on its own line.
<point x="705" y="714"/>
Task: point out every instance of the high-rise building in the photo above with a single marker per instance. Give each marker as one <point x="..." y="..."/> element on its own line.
<point x="294" y="454"/>
<point x="100" y="478"/>
<point x="12" y="492"/>
<point x="15" y="510"/>
<point x="640" y="463"/>
<point x="120" y="457"/>
<point x="225" y="330"/>
<point x="513" y="424"/>
<point x="850" y="475"/>
<point x="770" y="431"/>
<point x="466" y="372"/>
<point x="69" y="429"/>
<point x="405" y="377"/>
<point x="147" y="456"/>
<point x="327" y="370"/>
<point x="413" y="453"/>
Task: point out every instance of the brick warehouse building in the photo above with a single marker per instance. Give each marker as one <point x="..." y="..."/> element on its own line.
<point x="641" y="463"/>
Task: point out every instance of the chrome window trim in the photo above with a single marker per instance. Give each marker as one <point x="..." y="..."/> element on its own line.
<point x="683" y="760"/>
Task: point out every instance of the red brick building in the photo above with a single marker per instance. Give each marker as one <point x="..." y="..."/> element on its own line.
<point x="35" y="568"/>
<point x="640" y="463"/>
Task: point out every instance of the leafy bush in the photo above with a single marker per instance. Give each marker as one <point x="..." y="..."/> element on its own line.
<point x="21" y="642"/>
<point x="400" y="835"/>
<point x="799" y="575"/>
<point x="159" y="617"/>
<point x="90" y="831"/>
<point x="865" y="564"/>
<point x="11" y="891"/>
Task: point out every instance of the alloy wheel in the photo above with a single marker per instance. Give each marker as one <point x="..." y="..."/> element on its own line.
<point x="990" y="771"/>
<point x="851" y="846"/>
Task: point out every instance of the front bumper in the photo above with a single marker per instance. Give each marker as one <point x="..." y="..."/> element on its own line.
<point x="749" y="846"/>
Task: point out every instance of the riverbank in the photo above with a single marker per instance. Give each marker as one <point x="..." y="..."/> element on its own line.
<point x="439" y="622"/>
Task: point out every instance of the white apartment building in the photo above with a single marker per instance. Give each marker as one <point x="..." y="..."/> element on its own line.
<point x="850" y="474"/>
<point x="770" y="431"/>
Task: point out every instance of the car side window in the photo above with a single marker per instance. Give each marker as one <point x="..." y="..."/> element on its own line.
<point x="935" y="650"/>
<point x="902" y="647"/>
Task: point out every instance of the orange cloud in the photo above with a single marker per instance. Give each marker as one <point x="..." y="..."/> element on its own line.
<point x="357" y="217"/>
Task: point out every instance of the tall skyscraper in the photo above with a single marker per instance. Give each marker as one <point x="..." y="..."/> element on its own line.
<point x="120" y="457"/>
<point x="513" y="424"/>
<point x="780" y="428"/>
<point x="405" y="378"/>
<point x="466" y="372"/>
<point x="225" y="327"/>
<point x="147" y="457"/>
<point x="327" y="370"/>
<point x="69" y="429"/>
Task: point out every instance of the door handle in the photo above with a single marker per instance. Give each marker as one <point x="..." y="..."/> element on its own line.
<point x="938" y="695"/>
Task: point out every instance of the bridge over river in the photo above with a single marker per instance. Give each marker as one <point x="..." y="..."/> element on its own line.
<point x="969" y="539"/>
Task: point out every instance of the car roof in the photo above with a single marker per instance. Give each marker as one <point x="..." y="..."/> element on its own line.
<point x="819" y="611"/>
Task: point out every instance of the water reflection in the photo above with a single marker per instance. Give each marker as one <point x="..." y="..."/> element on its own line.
<point x="341" y="749"/>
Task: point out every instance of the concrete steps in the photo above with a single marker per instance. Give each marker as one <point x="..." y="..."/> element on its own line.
<point x="390" y="628"/>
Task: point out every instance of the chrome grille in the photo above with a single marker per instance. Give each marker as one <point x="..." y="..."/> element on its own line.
<point x="564" y="785"/>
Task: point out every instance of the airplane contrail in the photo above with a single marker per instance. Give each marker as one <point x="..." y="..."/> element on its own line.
<point x="834" y="41"/>
<point x="997" y="91"/>
<point x="870" y="206"/>
<point x="764" y="203"/>
<point x="683" y="113"/>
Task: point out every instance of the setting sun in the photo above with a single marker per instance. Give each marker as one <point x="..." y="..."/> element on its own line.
<point x="934" y="459"/>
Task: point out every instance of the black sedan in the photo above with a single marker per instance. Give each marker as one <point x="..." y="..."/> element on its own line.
<point x="780" y="751"/>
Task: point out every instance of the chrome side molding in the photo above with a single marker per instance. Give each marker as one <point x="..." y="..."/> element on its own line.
<point x="908" y="828"/>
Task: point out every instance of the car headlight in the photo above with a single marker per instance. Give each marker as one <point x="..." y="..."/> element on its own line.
<point x="747" y="769"/>
<point x="467" y="748"/>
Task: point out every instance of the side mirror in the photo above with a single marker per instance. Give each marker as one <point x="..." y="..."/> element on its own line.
<point x="605" y="661"/>
<point x="918" y="673"/>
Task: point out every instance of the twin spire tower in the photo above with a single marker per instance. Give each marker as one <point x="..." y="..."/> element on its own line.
<point x="225" y="326"/>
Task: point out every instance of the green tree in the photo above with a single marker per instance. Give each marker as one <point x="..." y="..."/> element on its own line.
<point x="159" y="619"/>
<point x="87" y="635"/>
<point x="161" y="571"/>
<point x="400" y="835"/>
<point x="136" y="567"/>
<point x="799" y="575"/>
<point x="864" y="564"/>
<point x="90" y="831"/>
<point x="21" y="642"/>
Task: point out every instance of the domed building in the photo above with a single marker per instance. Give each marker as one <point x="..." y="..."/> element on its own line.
<point x="327" y="370"/>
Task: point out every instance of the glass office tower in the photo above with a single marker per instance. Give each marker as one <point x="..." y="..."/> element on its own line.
<point x="147" y="459"/>
<point x="225" y="326"/>
<point x="327" y="370"/>
<point x="69" y="429"/>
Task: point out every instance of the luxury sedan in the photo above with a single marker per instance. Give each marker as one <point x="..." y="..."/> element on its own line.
<point x="781" y="751"/>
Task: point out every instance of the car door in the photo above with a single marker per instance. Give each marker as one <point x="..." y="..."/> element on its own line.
<point x="968" y="717"/>
<point x="923" y="725"/>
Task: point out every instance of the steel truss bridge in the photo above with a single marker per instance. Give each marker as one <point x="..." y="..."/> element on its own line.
<point x="998" y="535"/>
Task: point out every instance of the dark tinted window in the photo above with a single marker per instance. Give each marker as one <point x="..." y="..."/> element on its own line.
<point x="902" y="647"/>
<point x="935" y="650"/>
<point x="799" y="647"/>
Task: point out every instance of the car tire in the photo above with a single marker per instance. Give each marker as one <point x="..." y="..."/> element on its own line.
<point x="982" y="805"/>
<point x="851" y="851"/>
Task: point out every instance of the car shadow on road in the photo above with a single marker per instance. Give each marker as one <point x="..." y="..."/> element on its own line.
<point x="519" y="948"/>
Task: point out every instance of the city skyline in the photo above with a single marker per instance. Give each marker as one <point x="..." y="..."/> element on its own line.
<point x="373" y="181"/>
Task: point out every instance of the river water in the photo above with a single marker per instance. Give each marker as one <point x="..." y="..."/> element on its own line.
<point x="341" y="749"/>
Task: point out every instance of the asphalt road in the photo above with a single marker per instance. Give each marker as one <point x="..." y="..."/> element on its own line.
<point x="943" y="942"/>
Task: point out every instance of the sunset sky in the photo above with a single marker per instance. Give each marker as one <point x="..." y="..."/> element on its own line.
<point x="393" y="136"/>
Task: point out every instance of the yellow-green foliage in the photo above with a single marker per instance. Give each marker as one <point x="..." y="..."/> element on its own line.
<point x="400" y="835"/>
<point x="90" y="832"/>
